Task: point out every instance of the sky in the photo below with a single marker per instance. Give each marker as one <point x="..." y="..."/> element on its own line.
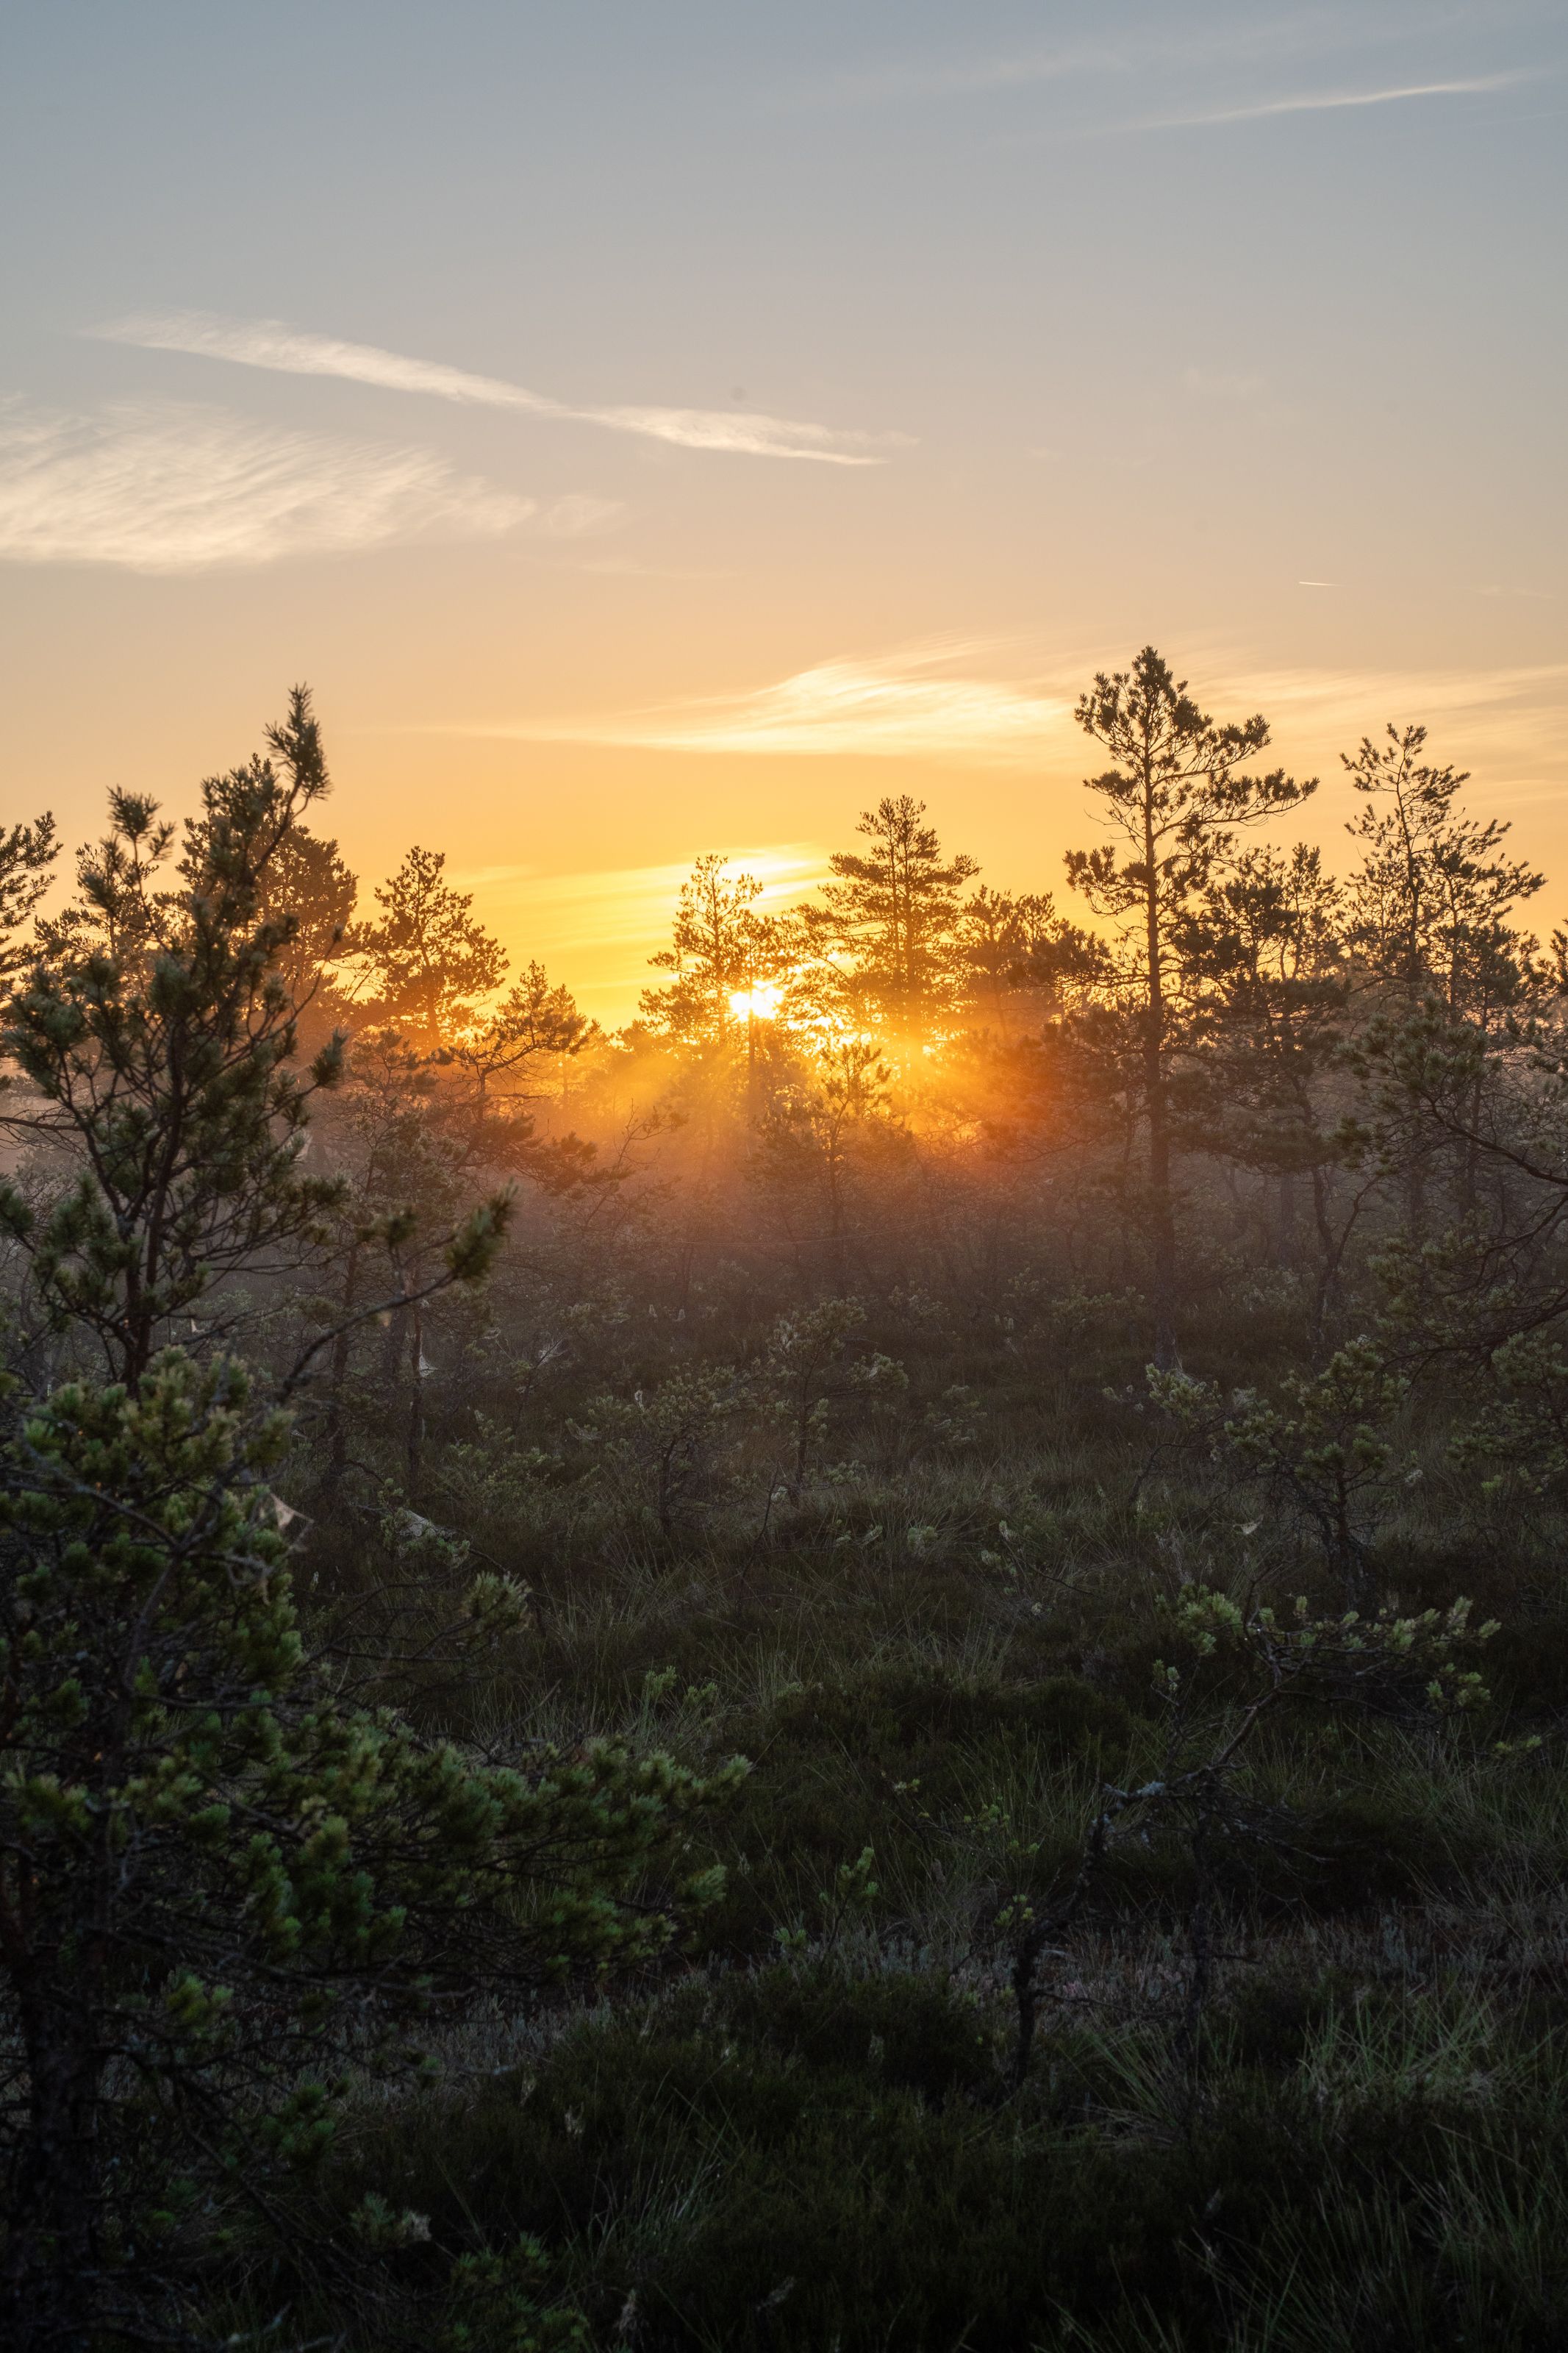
<point x="652" y="430"/>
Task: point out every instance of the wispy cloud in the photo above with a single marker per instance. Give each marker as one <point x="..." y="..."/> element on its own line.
<point x="290" y="350"/>
<point x="1151" y="46"/>
<point x="1323" y="101"/>
<point x="1507" y="724"/>
<point x="579" y="517"/>
<point x="930" y="704"/>
<point x="1285" y="38"/>
<point x="183" y="490"/>
<point x="1370" y="696"/>
<point x="898" y="707"/>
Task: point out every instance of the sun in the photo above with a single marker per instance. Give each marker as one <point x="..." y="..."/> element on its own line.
<point x="759" y="1004"/>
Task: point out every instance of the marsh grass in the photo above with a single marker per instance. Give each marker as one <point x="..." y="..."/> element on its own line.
<point x="803" y="2131"/>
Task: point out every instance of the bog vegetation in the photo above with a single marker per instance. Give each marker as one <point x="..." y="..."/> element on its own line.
<point x="878" y="1665"/>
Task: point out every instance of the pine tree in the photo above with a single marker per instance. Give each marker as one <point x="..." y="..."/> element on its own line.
<point x="893" y="915"/>
<point x="723" y="953"/>
<point x="1176" y="790"/>
<point x="1265" y="949"/>
<point x="429" y="961"/>
<point x="156" y="1034"/>
<point x="1443" y="971"/>
<point x="308" y="885"/>
<point x="27" y="854"/>
<point x="815" y="1135"/>
<point x="1018" y="953"/>
<point x="225" y="1870"/>
<point x="1433" y="891"/>
<point x="219" y="1876"/>
<point x="536" y="1021"/>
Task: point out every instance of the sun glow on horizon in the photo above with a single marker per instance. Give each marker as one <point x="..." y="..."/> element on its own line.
<point x="759" y="1004"/>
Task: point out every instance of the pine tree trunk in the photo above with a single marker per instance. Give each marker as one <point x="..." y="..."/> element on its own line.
<point x="1161" y="1215"/>
<point x="51" y="2250"/>
<point x="337" y="1417"/>
<point x="415" y="1401"/>
<point x="1162" y="1220"/>
<point x="1416" y="1202"/>
<point x="1286" y="1240"/>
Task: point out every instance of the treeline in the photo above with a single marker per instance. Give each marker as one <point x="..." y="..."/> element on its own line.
<point x="963" y="1451"/>
<point x="1330" y="1056"/>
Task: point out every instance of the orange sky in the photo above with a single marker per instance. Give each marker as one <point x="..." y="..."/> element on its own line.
<point x="652" y="439"/>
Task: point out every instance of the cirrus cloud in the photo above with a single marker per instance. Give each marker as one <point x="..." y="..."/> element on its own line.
<point x="1329" y="101"/>
<point x="272" y="343"/>
<point x="183" y="490"/>
<point x="932" y="702"/>
<point x="900" y="706"/>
